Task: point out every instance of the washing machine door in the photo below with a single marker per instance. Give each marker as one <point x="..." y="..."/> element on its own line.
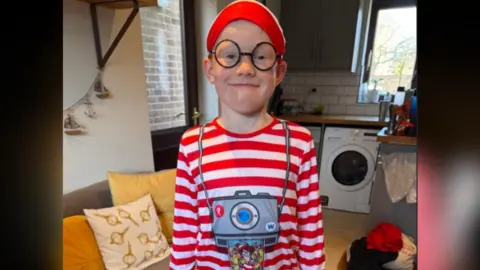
<point x="351" y="167"/>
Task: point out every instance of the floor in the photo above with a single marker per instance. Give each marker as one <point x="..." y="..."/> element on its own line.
<point x="341" y="229"/>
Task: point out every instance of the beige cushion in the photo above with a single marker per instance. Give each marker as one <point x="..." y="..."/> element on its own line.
<point x="128" y="187"/>
<point x="129" y="235"/>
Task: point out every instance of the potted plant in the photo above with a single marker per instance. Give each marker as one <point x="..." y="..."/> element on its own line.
<point x="372" y="94"/>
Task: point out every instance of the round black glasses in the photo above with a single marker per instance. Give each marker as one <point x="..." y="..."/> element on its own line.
<point x="227" y="54"/>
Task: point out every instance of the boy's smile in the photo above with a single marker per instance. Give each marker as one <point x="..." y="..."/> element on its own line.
<point x="244" y="85"/>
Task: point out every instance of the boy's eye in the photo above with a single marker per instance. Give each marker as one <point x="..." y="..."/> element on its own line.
<point x="229" y="55"/>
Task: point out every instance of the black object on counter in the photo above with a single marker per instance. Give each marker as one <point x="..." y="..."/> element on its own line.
<point x="383" y="110"/>
<point x="392" y="114"/>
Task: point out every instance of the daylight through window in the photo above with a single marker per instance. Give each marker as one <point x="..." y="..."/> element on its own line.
<point x="394" y="53"/>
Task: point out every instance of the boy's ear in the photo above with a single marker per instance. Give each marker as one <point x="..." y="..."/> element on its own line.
<point x="207" y="69"/>
<point x="281" y="70"/>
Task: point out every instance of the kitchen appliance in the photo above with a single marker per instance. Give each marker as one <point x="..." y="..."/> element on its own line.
<point x="347" y="168"/>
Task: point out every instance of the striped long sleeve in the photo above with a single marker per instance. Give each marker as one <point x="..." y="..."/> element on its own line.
<point x="185" y="221"/>
<point x="311" y="253"/>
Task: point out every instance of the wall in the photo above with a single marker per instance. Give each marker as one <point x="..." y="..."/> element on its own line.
<point x="338" y="91"/>
<point x="162" y="51"/>
<point x="119" y="138"/>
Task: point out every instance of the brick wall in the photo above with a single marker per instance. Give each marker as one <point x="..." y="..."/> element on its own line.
<point x="162" y="51"/>
<point x="338" y="91"/>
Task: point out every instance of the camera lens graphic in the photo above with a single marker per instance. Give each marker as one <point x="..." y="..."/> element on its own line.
<point x="244" y="216"/>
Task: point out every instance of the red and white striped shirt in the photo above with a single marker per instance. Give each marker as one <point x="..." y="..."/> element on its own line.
<point x="254" y="162"/>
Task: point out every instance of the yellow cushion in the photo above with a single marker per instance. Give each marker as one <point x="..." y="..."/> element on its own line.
<point x="129" y="187"/>
<point x="166" y="219"/>
<point x="80" y="250"/>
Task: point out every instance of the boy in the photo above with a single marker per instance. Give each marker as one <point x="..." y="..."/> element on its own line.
<point x="247" y="191"/>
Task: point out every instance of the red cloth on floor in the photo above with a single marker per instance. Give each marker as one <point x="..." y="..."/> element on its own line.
<point x="385" y="237"/>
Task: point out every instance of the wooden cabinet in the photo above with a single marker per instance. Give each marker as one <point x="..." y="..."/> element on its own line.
<point x="320" y="34"/>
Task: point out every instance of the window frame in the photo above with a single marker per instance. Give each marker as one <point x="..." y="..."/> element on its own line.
<point x="378" y="5"/>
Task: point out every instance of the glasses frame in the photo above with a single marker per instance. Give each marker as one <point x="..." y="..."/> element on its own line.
<point x="250" y="54"/>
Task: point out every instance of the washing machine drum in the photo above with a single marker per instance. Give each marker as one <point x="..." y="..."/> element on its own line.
<point x="351" y="167"/>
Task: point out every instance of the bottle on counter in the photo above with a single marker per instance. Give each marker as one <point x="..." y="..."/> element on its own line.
<point x="413" y="116"/>
<point x="392" y="123"/>
<point x="399" y="96"/>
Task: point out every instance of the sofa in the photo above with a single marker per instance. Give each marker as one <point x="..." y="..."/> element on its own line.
<point x="79" y="242"/>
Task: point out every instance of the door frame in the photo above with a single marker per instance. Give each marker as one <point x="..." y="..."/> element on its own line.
<point x="165" y="142"/>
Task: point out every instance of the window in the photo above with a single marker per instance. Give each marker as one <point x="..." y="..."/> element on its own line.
<point x="163" y="41"/>
<point x="169" y="52"/>
<point x="391" y="49"/>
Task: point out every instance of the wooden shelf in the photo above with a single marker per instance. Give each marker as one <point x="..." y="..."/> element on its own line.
<point x="383" y="137"/>
<point x="372" y="121"/>
<point x="120" y="4"/>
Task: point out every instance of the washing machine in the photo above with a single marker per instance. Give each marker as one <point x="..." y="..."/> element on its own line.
<point x="347" y="170"/>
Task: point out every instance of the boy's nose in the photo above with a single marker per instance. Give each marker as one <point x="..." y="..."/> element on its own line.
<point x="246" y="67"/>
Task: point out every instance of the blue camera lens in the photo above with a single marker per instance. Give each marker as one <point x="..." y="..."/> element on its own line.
<point x="244" y="216"/>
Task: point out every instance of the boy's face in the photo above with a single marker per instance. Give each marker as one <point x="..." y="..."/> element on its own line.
<point x="244" y="88"/>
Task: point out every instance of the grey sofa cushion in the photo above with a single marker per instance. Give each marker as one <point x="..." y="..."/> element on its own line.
<point x="94" y="196"/>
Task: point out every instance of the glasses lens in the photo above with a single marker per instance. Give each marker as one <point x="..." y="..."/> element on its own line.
<point x="227" y="53"/>
<point x="264" y="56"/>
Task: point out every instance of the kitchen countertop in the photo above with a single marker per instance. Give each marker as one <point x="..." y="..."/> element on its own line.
<point x="383" y="137"/>
<point x="335" y="119"/>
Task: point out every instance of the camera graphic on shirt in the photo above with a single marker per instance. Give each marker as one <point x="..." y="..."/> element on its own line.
<point x="246" y="216"/>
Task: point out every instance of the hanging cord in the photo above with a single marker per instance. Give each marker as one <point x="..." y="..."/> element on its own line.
<point x="85" y="99"/>
<point x="200" y="172"/>
<point x="287" y="173"/>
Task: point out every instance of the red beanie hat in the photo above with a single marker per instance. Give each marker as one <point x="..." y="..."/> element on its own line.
<point x="254" y="12"/>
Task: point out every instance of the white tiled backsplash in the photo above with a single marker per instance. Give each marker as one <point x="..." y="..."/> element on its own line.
<point x="338" y="91"/>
